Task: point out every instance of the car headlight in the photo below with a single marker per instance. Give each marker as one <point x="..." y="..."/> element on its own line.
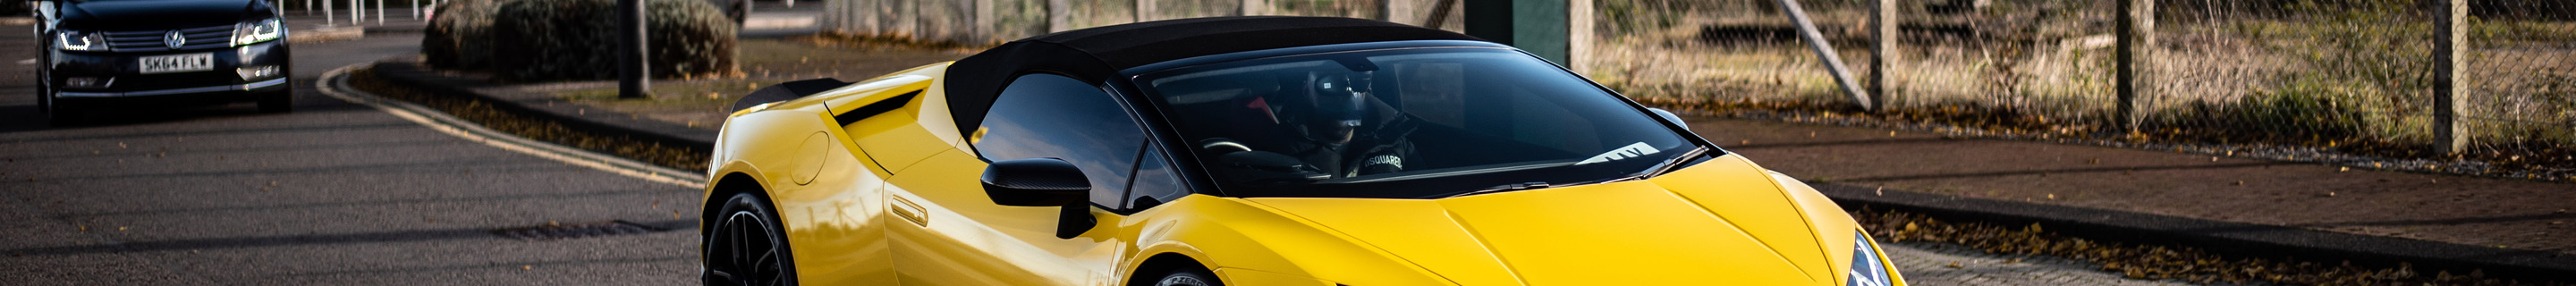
<point x="255" y="32"/>
<point x="78" y="41"/>
<point x="1866" y="269"/>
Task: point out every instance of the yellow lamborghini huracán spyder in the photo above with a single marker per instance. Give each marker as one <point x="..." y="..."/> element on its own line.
<point x="1250" y="151"/>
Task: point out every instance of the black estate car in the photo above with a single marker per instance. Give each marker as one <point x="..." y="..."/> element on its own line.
<point x="110" y="53"/>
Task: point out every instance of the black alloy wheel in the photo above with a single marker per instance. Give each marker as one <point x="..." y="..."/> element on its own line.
<point x="1188" y="276"/>
<point x="745" y="247"/>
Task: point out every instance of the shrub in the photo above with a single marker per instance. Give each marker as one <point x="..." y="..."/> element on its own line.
<point x="459" y="37"/>
<point x="2295" y="112"/>
<point x="577" y="40"/>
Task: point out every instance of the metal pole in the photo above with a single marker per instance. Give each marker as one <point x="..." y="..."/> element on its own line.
<point x="2137" y="25"/>
<point x="415" y="9"/>
<point x="1399" y="11"/>
<point x="1144" y="10"/>
<point x="631" y="54"/>
<point x="380" y="12"/>
<point x="2449" y="95"/>
<point x="1833" y="63"/>
<point x="329" y="17"/>
<point x="1253" y="8"/>
<point x="1550" y="29"/>
<point x="1059" y="15"/>
<point x="357" y="11"/>
<point x="1882" y="52"/>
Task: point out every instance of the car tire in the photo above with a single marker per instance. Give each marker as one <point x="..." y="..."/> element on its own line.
<point x="744" y="246"/>
<point x="280" y="101"/>
<point x="1188" y="276"/>
<point x="55" y="113"/>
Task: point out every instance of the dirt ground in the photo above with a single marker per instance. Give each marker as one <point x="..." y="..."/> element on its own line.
<point x="2505" y="213"/>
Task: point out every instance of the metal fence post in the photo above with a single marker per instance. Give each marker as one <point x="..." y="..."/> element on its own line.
<point x="2136" y="27"/>
<point x="632" y="80"/>
<point x="1399" y="11"/>
<point x="1059" y="15"/>
<point x="1833" y="62"/>
<point x="1552" y="29"/>
<point x="1882" y="52"/>
<point x="1145" y="10"/>
<point x="2449" y="135"/>
<point x="1253" y="8"/>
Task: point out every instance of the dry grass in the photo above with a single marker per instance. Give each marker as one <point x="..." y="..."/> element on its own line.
<point x="2354" y="76"/>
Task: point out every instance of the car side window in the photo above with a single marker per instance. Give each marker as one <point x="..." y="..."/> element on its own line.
<point x="1052" y="116"/>
<point x="1156" y="183"/>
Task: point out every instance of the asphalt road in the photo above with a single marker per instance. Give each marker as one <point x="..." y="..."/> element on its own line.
<point x="333" y="193"/>
<point x="339" y="193"/>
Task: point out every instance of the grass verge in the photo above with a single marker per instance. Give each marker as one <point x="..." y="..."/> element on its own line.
<point x="481" y="112"/>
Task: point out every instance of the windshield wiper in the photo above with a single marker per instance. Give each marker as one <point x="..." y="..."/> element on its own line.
<point x="1667" y="166"/>
<point x="1503" y="188"/>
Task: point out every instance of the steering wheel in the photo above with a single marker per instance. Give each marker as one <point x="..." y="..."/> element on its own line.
<point x="1222" y="146"/>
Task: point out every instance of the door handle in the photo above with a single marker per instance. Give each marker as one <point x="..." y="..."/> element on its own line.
<point x="909" y="211"/>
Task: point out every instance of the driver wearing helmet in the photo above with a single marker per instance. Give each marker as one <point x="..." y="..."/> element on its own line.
<point x="1339" y="127"/>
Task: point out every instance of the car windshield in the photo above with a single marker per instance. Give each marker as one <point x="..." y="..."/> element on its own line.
<point x="1405" y="123"/>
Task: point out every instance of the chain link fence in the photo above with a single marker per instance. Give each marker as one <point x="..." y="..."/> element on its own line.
<point x="2349" y="75"/>
<point x="987" y="22"/>
<point x="2353" y="76"/>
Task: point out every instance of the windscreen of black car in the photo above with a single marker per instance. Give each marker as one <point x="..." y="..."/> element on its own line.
<point x="1404" y="123"/>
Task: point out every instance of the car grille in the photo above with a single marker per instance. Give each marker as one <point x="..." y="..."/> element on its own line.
<point x="144" y="41"/>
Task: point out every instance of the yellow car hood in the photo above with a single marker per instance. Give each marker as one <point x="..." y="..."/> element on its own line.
<point x="1723" y="221"/>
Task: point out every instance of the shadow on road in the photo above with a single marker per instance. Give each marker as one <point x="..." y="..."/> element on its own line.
<point x="299" y="240"/>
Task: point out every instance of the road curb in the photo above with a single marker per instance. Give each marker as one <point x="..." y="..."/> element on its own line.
<point x="410" y="75"/>
<point x="2232" y="239"/>
<point x="335" y="83"/>
<point x="325" y="34"/>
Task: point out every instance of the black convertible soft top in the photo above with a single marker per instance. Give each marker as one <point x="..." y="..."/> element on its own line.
<point x="1096" y="54"/>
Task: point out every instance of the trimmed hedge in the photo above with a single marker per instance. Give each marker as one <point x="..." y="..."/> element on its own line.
<point x="544" y="40"/>
<point x="458" y="37"/>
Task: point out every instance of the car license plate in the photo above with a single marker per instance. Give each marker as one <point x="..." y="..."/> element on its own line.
<point x="178" y="63"/>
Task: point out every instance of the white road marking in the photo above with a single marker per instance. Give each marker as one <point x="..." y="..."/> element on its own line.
<point x="336" y="84"/>
<point x="28" y="61"/>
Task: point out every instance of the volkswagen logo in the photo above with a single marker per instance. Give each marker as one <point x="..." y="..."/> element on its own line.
<point x="174" y="39"/>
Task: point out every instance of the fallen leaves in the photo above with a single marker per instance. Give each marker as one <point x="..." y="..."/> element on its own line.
<point x="2152" y="261"/>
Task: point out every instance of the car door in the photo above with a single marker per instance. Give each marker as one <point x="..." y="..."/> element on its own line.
<point x="952" y="233"/>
